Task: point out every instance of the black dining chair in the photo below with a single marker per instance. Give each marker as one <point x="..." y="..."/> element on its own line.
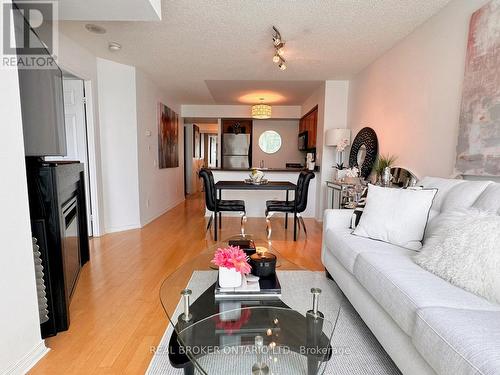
<point x="217" y="206"/>
<point x="295" y="207"/>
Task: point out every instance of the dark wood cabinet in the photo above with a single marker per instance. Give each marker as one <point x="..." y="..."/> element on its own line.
<point x="309" y="123"/>
<point x="242" y="126"/>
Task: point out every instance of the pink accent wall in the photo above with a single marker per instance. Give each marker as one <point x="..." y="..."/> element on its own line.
<point x="411" y="95"/>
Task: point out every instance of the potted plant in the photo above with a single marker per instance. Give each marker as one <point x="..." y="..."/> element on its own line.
<point x="233" y="264"/>
<point x="383" y="162"/>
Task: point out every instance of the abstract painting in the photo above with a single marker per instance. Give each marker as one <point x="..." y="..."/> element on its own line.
<point x="478" y="148"/>
<point x="168" y="137"/>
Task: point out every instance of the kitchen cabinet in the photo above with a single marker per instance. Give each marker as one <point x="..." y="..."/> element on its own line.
<point x="309" y="123"/>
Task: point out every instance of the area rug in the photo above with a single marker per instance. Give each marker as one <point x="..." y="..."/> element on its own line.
<point x="357" y="351"/>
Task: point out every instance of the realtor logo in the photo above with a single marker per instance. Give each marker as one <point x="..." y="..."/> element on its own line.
<point x="29" y="34"/>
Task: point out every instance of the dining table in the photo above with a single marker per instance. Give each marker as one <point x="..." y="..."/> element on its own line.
<point x="286" y="186"/>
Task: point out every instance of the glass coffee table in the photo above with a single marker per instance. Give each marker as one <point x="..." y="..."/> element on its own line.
<point x="243" y="335"/>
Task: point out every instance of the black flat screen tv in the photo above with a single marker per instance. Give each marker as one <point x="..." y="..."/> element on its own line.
<point x="42" y="105"/>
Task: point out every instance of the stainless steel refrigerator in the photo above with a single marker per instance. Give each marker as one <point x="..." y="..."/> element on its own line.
<point x="236" y="151"/>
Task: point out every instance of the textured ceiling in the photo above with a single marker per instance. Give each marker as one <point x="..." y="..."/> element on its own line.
<point x="272" y="92"/>
<point x="110" y="10"/>
<point x="215" y="40"/>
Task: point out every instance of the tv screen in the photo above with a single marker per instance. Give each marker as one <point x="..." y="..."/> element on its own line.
<point x="42" y="104"/>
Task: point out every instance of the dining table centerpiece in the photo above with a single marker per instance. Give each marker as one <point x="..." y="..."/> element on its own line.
<point x="256" y="175"/>
<point x="233" y="264"/>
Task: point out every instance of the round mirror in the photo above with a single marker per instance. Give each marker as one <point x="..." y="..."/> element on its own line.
<point x="361" y="155"/>
<point x="364" y="151"/>
<point x="270" y="142"/>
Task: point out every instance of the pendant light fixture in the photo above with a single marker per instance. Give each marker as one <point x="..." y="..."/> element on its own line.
<point x="261" y="111"/>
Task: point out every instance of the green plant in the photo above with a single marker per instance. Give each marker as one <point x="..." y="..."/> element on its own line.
<point x="383" y="162"/>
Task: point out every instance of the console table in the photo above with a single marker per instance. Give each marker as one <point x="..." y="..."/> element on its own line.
<point x="337" y="194"/>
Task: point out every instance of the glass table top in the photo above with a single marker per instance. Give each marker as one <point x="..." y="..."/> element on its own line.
<point x="259" y="336"/>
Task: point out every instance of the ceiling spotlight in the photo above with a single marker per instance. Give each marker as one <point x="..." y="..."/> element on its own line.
<point x="96" y="29"/>
<point x="279" y="49"/>
<point x="276" y="36"/>
<point x="114" y="46"/>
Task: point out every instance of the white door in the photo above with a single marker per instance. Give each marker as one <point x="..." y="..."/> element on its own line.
<point x="76" y="133"/>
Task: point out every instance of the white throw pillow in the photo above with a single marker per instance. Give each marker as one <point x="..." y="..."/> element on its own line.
<point x="465" y="250"/>
<point x="397" y="216"/>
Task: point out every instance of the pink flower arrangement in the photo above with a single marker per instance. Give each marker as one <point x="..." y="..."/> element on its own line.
<point x="232" y="257"/>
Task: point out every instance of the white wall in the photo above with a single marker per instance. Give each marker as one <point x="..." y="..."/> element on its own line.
<point x="119" y="153"/>
<point x="411" y="95"/>
<point x="289" y="151"/>
<point x="83" y="64"/>
<point x="159" y="189"/>
<point x="20" y="342"/>
<point x="332" y="101"/>
<point x="193" y="165"/>
<point x="317" y="99"/>
<point x="335" y="116"/>
<point x="237" y="111"/>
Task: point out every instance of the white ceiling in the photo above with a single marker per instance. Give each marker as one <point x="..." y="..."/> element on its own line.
<point x="250" y="92"/>
<point x="198" y="44"/>
<point x="110" y="10"/>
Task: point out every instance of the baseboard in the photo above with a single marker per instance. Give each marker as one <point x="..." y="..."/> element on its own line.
<point x="29" y="360"/>
<point x="165" y="210"/>
<point x="121" y="228"/>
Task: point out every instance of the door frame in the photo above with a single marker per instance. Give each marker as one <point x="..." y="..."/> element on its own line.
<point x="92" y="139"/>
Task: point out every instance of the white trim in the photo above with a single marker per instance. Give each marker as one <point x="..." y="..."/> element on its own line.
<point x="91" y="148"/>
<point x="162" y="212"/>
<point x="121" y="228"/>
<point x="29" y="360"/>
<point x="94" y="190"/>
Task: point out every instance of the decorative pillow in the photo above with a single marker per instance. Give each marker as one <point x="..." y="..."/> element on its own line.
<point x="465" y="251"/>
<point x="397" y="216"/>
<point x="358" y="211"/>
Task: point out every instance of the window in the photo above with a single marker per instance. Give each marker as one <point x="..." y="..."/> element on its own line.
<point x="270" y="142"/>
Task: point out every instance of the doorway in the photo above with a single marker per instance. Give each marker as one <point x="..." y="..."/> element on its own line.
<point x="75" y="121"/>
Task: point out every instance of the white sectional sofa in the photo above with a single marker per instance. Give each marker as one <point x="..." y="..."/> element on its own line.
<point x="426" y="324"/>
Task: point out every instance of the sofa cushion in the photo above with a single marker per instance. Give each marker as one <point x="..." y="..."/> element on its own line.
<point x="489" y="200"/>
<point x="464" y="250"/>
<point x="458" y="341"/>
<point x="401" y="287"/>
<point x="397" y="216"/>
<point x="452" y="195"/>
<point x="444" y="185"/>
<point x="346" y="247"/>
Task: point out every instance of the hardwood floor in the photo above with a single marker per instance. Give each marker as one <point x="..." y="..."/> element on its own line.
<point x="116" y="315"/>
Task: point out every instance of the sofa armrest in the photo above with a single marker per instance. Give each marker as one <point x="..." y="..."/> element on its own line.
<point x="336" y="219"/>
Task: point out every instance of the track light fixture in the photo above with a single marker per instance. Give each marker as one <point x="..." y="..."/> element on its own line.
<point x="279" y="49"/>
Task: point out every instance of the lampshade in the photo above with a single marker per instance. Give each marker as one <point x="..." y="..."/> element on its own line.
<point x="334" y="136"/>
<point x="261" y="111"/>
